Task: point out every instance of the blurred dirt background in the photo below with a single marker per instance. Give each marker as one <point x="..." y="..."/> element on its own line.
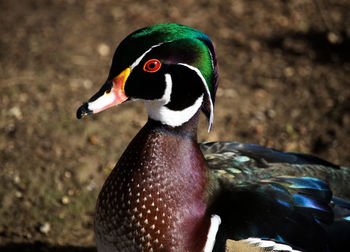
<point x="284" y="83"/>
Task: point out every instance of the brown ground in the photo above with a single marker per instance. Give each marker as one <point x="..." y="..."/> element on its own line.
<point x="284" y="83"/>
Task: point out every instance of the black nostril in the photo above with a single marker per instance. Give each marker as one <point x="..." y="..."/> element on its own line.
<point x="83" y="110"/>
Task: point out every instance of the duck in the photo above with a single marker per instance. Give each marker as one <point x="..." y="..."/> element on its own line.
<point x="168" y="192"/>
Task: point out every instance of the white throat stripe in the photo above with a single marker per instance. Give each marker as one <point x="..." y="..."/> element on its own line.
<point x="158" y="111"/>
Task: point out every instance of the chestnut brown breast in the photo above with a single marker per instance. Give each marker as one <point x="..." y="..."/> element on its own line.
<point x="154" y="197"/>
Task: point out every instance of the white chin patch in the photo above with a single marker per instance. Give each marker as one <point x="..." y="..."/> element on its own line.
<point x="158" y="111"/>
<point x="101" y="102"/>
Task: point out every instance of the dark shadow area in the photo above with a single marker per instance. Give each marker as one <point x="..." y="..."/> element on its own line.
<point x="43" y="247"/>
<point x="323" y="47"/>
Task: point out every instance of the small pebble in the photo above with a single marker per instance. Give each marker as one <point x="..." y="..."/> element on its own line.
<point x="16" y="179"/>
<point x="70" y="192"/>
<point x="334" y="38"/>
<point x="67" y="174"/>
<point x="255" y="45"/>
<point x="61" y="215"/>
<point x="289" y="129"/>
<point x="16" y="112"/>
<point x="45" y="228"/>
<point x="103" y="49"/>
<point x="87" y="83"/>
<point x="93" y="140"/>
<point x="271" y="113"/>
<point x="18" y="194"/>
<point x="65" y="200"/>
<point x="288" y="71"/>
<point x="91" y="186"/>
<point x="27" y="204"/>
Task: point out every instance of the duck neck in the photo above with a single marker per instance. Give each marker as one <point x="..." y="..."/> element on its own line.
<point x="186" y="130"/>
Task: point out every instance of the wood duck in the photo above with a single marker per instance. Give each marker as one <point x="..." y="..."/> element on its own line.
<point x="169" y="193"/>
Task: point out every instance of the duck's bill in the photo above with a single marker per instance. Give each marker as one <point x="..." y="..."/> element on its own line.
<point x="111" y="94"/>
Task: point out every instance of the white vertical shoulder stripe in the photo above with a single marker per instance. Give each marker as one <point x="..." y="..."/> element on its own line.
<point x="215" y="222"/>
<point x="211" y="117"/>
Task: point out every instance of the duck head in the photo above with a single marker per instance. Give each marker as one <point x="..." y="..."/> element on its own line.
<point x="171" y="67"/>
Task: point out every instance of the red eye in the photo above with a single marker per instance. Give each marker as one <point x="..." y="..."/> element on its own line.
<point x="152" y="65"/>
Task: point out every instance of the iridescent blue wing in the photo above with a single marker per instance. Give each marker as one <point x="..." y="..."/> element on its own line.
<point x="261" y="155"/>
<point x="249" y="162"/>
<point x="283" y="209"/>
<point x="273" y="195"/>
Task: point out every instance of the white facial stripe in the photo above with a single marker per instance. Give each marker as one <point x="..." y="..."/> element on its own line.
<point x="212" y="61"/>
<point x="168" y="87"/>
<point x="215" y="222"/>
<point x="211" y="117"/>
<point x="167" y="93"/>
<point x="158" y="111"/>
<point x="143" y="55"/>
